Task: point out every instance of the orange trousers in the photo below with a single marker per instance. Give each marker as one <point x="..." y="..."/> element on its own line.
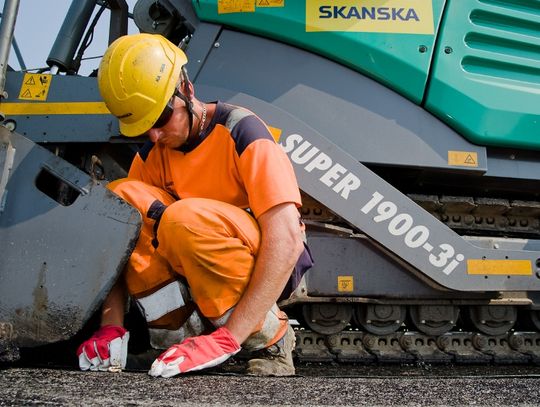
<point x="212" y="244"/>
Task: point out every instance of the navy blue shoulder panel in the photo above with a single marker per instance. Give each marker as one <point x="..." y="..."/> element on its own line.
<point x="245" y="127"/>
<point x="145" y="150"/>
<point x="247" y="130"/>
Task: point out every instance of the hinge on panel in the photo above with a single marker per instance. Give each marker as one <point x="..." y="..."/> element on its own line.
<point x="7" y="157"/>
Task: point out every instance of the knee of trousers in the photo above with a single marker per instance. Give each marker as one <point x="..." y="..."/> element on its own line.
<point x="140" y="194"/>
<point x="195" y="220"/>
<point x="174" y="232"/>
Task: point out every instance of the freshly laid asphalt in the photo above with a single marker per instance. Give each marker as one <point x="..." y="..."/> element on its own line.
<point x="314" y="385"/>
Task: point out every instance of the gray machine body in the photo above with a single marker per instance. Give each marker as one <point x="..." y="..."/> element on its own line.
<point x="311" y="100"/>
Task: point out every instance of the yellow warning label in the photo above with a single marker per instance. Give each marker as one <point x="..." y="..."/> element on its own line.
<point x="270" y="3"/>
<point x="377" y="16"/>
<point x="35" y="86"/>
<point x="276" y="133"/>
<point x="463" y="158"/>
<point x="236" y="6"/>
<point x="345" y="284"/>
<point x="505" y="267"/>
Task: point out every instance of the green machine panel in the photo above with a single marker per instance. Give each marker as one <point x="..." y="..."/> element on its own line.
<point x="486" y="72"/>
<point x="391" y="41"/>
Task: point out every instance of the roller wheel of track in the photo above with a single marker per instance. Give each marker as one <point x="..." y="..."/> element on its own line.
<point x="379" y="319"/>
<point x="531" y="319"/>
<point x="326" y="318"/>
<point x="492" y="319"/>
<point x="433" y="319"/>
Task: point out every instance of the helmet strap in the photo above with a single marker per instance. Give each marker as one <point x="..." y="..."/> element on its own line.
<point x="190" y="110"/>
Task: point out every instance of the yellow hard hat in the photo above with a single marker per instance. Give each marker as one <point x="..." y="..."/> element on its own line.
<point x="137" y="77"/>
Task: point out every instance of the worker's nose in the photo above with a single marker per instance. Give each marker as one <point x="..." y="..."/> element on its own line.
<point x="154" y="135"/>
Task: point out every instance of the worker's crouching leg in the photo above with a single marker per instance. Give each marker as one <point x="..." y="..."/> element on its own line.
<point x="159" y="292"/>
<point x="214" y="244"/>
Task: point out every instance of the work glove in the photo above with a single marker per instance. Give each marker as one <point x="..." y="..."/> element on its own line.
<point x="196" y="353"/>
<point x="106" y="350"/>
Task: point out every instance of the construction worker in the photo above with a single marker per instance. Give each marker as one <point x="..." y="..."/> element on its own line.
<point x="221" y="231"/>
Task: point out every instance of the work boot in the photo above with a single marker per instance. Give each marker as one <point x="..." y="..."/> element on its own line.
<point x="276" y="360"/>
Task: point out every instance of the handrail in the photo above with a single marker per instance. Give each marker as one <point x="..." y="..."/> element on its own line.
<point x="7" y="27"/>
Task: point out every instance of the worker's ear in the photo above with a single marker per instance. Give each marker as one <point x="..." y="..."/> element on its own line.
<point x="188" y="90"/>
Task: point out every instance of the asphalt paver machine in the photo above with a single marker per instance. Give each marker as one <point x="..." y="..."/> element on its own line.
<point x="414" y="131"/>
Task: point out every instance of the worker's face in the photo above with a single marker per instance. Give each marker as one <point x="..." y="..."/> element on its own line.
<point x="174" y="133"/>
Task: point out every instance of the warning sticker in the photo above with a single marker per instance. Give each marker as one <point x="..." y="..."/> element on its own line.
<point x="270" y="3"/>
<point x="35" y="86"/>
<point x="236" y="6"/>
<point x="276" y="133"/>
<point x="345" y="284"/>
<point x="463" y="158"/>
<point x="388" y="16"/>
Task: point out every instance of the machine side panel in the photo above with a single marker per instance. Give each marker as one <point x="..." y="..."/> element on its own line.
<point x="368" y="271"/>
<point x="486" y="72"/>
<point x="387" y="42"/>
<point x="326" y="154"/>
<point x="367" y="202"/>
<point x="368" y="120"/>
<point x="59" y="259"/>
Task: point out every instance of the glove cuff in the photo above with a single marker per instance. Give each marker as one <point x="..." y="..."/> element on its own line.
<point x="120" y="330"/>
<point x="224" y="337"/>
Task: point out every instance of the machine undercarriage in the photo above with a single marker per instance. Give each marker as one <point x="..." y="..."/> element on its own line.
<point x="414" y="325"/>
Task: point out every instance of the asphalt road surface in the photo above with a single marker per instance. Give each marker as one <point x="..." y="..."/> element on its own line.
<point x="315" y="385"/>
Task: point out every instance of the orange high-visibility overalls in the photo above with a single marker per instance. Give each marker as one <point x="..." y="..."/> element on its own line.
<point x="196" y="226"/>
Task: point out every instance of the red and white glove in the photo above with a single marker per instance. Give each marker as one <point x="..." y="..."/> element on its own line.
<point x="106" y="350"/>
<point x="196" y="353"/>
